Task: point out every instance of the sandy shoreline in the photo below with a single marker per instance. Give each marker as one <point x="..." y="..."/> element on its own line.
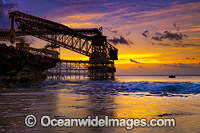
<point x="15" y="105"/>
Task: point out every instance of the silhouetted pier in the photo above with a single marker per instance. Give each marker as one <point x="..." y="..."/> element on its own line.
<point x="86" y="41"/>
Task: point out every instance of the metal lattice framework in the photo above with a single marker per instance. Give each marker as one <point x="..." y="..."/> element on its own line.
<point x="69" y="68"/>
<point x="73" y="39"/>
<point x="87" y="41"/>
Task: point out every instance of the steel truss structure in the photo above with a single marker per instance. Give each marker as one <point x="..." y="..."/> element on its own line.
<point x="67" y="69"/>
<point x="87" y="41"/>
<point x="61" y="35"/>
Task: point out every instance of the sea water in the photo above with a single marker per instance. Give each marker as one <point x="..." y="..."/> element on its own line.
<point x="125" y="97"/>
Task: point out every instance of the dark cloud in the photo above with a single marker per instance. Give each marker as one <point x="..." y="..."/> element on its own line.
<point x="112" y="31"/>
<point x="120" y="40"/>
<point x="174" y="24"/>
<point x="174" y="36"/>
<point x="177" y="65"/>
<point x="128" y="33"/>
<point x="134" y="61"/>
<point x="179" y="44"/>
<point x="140" y="67"/>
<point x="187" y="58"/>
<point x="5" y="5"/>
<point x="158" y="38"/>
<point x="145" y="33"/>
<point x="161" y="44"/>
<point x="168" y="35"/>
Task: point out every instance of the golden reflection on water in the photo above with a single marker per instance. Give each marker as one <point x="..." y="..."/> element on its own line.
<point x="186" y="110"/>
<point x="80" y="106"/>
<point x="138" y="107"/>
<point x="62" y="103"/>
<point x="152" y="106"/>
<point x="69" y="106"/>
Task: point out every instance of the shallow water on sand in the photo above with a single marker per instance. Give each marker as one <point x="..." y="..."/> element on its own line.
<point x="126" y="97"/>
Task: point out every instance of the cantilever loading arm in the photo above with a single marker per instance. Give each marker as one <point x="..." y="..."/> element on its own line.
<point x="59" y="34"/>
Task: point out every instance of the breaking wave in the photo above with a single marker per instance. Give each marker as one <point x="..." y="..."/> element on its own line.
<point x="128" y="88"/>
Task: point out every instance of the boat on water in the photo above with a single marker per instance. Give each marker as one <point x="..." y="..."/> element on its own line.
<point x="172" y="76"/>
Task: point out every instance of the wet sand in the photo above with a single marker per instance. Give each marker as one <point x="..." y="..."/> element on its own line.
<point x="62" y="102"/>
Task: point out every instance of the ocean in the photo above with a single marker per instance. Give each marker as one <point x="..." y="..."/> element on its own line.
<point x="125" y="97"/>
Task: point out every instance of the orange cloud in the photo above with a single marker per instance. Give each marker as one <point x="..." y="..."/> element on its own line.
<point x="91" y="16"/>
<point x="81" y="25"/>
<point x="84" y="17"/>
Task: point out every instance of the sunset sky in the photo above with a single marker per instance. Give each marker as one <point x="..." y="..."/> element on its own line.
<point x="154" y="37"/>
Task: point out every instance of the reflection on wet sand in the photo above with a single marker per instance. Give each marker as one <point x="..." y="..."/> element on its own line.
<point x="64" y="103"/>
<point x="82" y="106"/>
<point x="16" y="106"/>
<point x="186" y="111"/>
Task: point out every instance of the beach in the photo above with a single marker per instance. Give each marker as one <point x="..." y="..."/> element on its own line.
<point x="125" y="97"/>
